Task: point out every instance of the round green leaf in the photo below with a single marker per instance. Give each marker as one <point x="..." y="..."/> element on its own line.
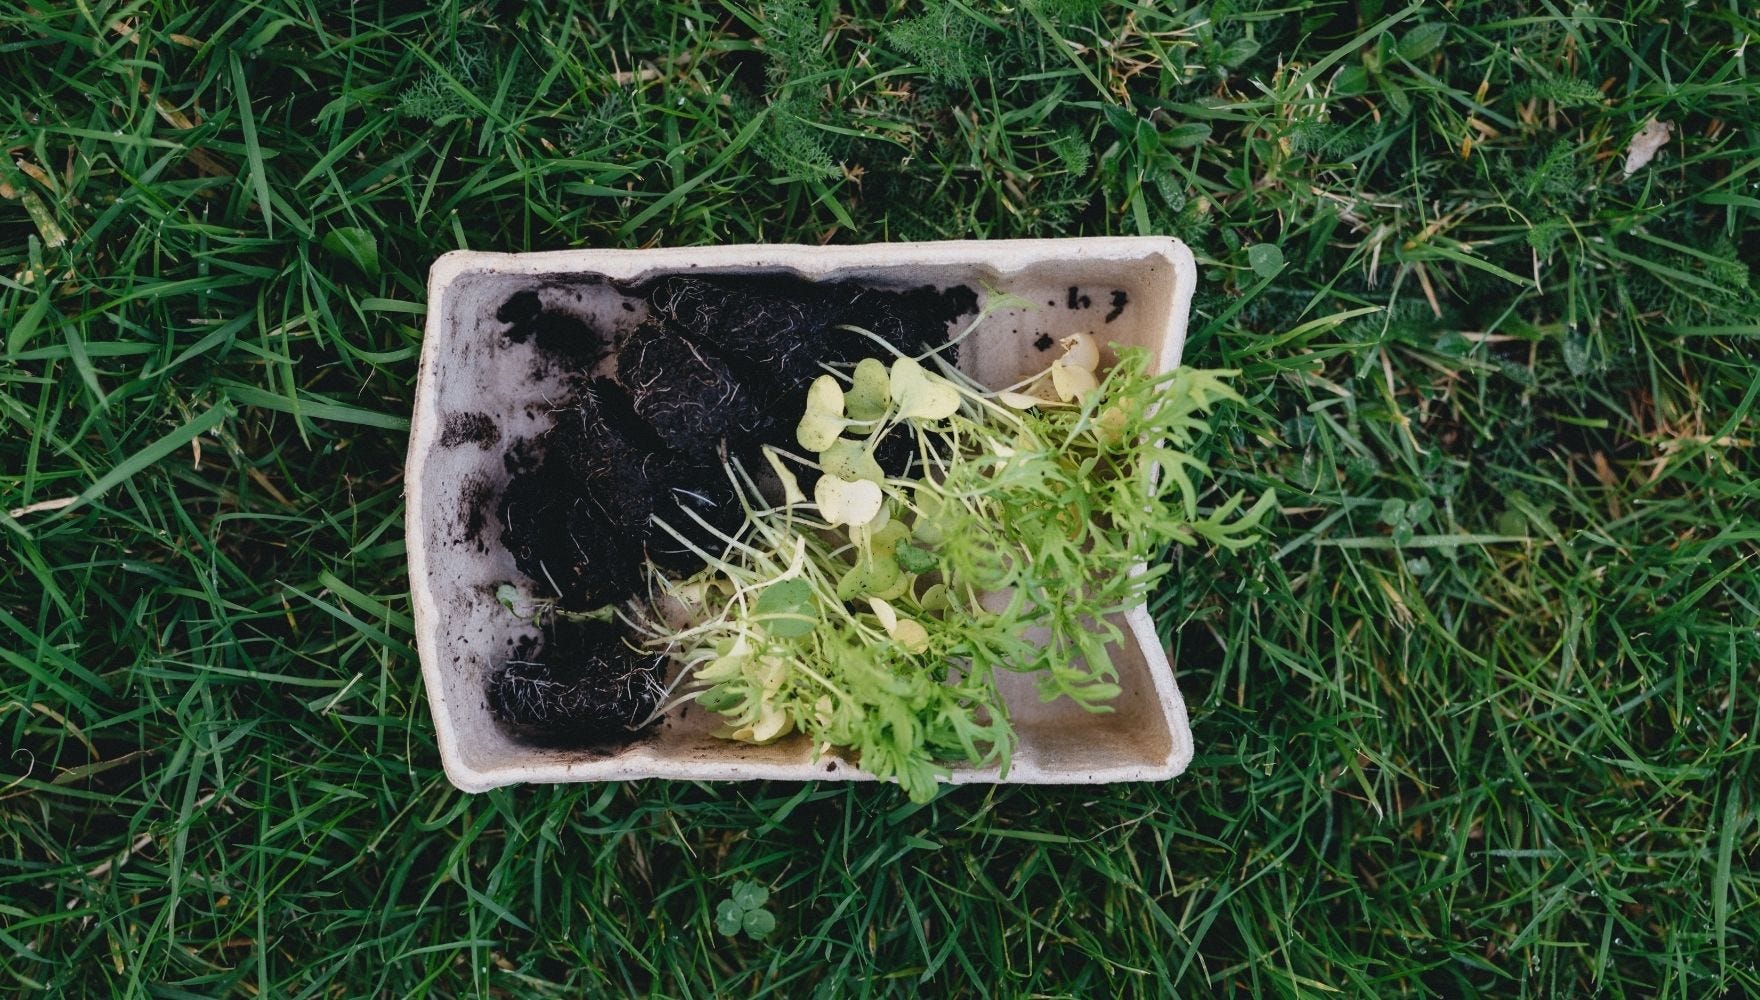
<point x="877" y="575"/>
<point x="911" y="635"/>
<point x="750" y="895"/>
<point x="1266" y="259"/>
<point x="1072" y="383"/>
<point x="929" y="525"/>
<point x="887" y="536"/>
<point x="729" y="917"/>
<point x="759" y="924"/>
<point x="935" y="598"/>
<point x="786" y="599"/>
<point x="817" y="432"/>
<point x="823" y="421"/>
<point x="825" y="396"/>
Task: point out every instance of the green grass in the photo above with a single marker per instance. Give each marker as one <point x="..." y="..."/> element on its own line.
<point x="1480" y="718"/>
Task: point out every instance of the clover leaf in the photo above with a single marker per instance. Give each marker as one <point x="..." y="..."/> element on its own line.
<point x="743" y="910"/>
<point x="730" y="918"/>
<point x="758" y="924"/>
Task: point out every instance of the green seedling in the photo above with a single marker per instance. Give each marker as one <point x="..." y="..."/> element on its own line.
<point x="876" y="616"/>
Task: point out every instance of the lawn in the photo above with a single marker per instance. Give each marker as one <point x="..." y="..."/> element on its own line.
<point x="1477" y="718"/>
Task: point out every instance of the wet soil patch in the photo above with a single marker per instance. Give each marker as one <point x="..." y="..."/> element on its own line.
<point x="719" y="369"/>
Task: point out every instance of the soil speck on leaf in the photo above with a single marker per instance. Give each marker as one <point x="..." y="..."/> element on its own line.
<point x="1044" y="342"/>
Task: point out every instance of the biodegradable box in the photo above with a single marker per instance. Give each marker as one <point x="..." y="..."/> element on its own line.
<point x="478" y="391"/>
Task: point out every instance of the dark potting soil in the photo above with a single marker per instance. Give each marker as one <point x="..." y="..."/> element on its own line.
<point x="686" y="392"/>
<point x="561" y="540"/>
<point x="608" y="453"/>
<point x="700" y="504"/>
<point x="783" y="328"/>
<point x="719" y="370"/>
<point x="589" y="687"/>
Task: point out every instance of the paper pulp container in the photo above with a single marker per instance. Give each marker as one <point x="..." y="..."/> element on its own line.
<point x="478" y="391"/>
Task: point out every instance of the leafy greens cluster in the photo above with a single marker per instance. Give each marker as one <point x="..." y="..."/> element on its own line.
<point x="875" y="615"/>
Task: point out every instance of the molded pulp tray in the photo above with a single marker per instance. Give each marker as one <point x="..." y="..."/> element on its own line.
<point x="479" y="391"/>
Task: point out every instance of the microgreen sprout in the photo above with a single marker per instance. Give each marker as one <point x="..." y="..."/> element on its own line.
<point x="875" y="616"/>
